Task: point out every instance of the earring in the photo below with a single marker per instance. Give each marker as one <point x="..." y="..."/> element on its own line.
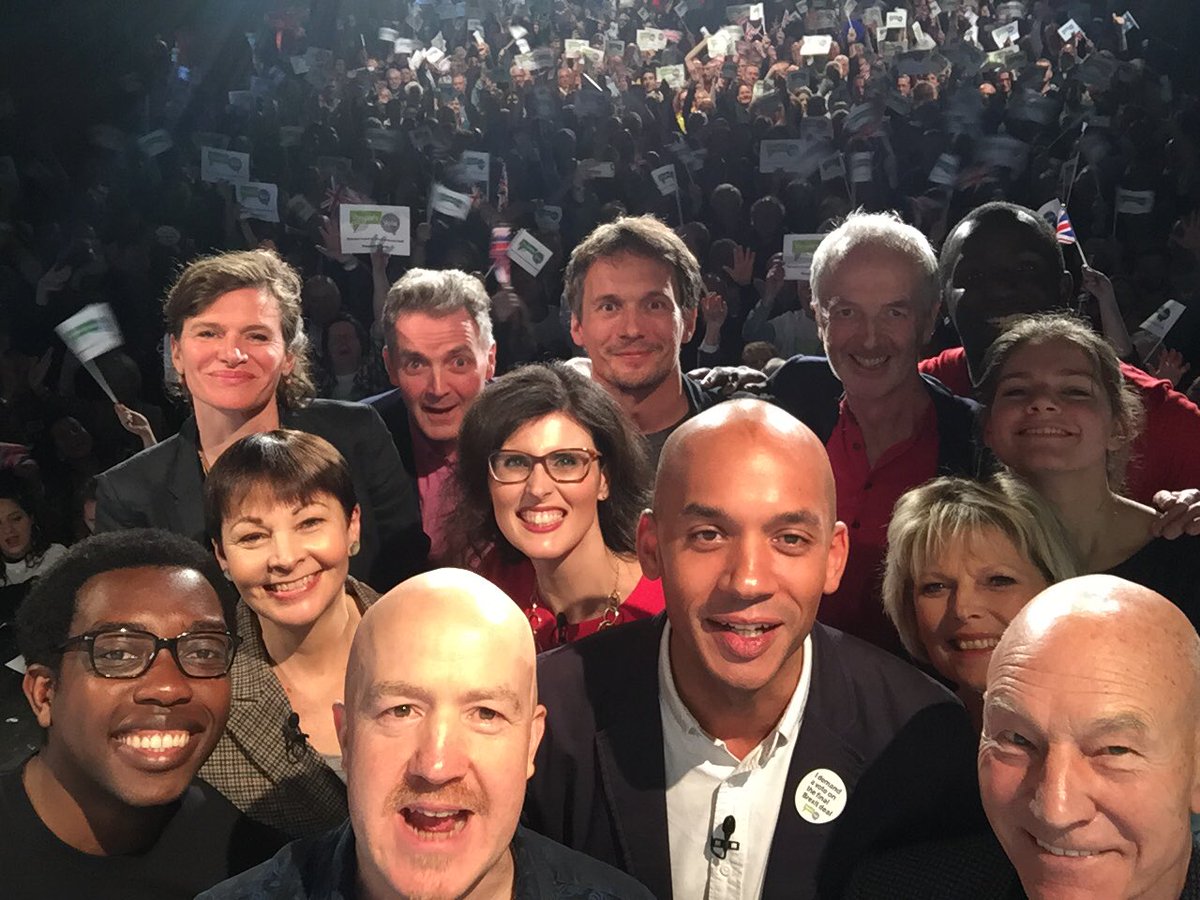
<point x="355" y="546"/>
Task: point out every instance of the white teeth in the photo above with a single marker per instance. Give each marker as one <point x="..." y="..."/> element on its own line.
<point x="870" y="362"/>
<point x="155" y="740"/>
<point x="1046" y="432"/>
<point x="979" y="644"/>
<point x="542" y="516"/>
<point x="442" y="814"/>
<point x="748" y="630"/>
<point x="1059" y="851"/>
<point x="284" y="586"/>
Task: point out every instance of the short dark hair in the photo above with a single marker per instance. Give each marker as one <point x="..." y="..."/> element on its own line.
<point x="998" y="209"/>
<point x="44" y="618"/>
<point x="641" y="236"/>
<point x="291" y="466"/>
<point x="206" y="279"/>
<point x="527" y="394"/>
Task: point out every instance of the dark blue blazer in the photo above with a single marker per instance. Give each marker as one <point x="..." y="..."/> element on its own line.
<point x="163" y="487"/>
<point x="901" y="742"/>
<point x="807" y="388"/>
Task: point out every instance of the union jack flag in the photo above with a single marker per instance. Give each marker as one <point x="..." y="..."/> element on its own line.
<point x="1062" y="228"/>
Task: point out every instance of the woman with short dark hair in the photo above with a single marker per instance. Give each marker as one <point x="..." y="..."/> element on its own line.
<point x="550" y="470"/>
<point x="285" y="521"/>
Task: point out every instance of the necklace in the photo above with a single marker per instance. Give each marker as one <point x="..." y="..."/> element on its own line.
<point x="541" y="617"/>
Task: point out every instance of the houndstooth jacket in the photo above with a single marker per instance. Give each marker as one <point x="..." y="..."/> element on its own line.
<point x="284" y="784"/>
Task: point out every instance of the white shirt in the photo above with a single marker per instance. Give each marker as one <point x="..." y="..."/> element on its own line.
<point x="706" y="783"/>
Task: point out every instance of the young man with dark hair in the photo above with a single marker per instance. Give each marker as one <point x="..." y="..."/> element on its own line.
<point x="128" y="642"/>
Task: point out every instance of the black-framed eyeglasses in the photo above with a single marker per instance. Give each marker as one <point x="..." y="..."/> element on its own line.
<point x="566" y="466"/>
<point x="126" y="653"/>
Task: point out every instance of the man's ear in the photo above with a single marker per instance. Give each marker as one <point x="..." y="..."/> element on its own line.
<point x="577" y="330"/>
<point x="839" y="551"/>
<point x="387" y="367"/>
<point x="537" y="729"/>
<point x="647" y="546"/>
<point x="39" y="685"/>
<point x="689" y="323"/>
<point x="491" y="363"/>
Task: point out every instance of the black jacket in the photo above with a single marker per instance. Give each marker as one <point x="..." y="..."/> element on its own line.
<point x="807" y="388"/>
<point x="324" y="868"/>
<point x="901" y="743"/>
<point x="163" y="487"/>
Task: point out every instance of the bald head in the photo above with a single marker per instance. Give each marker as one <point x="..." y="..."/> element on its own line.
<point x="1090" y="741"/>
<point x="438" y="734"/>
<point x="444" y="602"/>
<point x="736" y="427"/>
<point x="1121" y="624"/>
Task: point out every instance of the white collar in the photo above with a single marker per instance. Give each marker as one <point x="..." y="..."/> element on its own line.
<point x="785" y="729"/>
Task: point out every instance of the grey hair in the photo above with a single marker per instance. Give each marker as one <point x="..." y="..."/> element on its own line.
<point x="884" y="230"/>
<point x="437" y="294"/>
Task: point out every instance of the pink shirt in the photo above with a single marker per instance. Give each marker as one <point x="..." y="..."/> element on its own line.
<point x="434" y="465"/>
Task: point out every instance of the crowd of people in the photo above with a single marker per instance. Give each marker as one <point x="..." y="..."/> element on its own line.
<point x="733" y="464"/>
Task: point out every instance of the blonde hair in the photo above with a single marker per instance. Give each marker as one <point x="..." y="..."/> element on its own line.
<point x="940" y="512"/>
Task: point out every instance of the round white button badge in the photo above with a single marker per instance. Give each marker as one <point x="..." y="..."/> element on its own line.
<point x="821" y="796"/>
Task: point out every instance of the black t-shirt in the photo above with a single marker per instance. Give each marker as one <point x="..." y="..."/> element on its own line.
<point x="1172" y="568"/>
<point x="206" y="841"/>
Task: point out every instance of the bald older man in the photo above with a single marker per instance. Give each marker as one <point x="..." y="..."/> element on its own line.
<point x="438" y="730"/>
<point x="1088" y="759"/>
<point x="735" y="748"/>
<point x="1087" y="762"/>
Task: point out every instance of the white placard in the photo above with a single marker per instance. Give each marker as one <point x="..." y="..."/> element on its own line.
<point x="1134" y="203"/>
<point x="756" y="12"/>
<point x="816" y="45"/>
<point x="738" y="13"/>
<point x="1069" y="30"/>
<point x="675" y="76"/>
<point x="1128" y="23"/>
<point x="833" y="167"/>
<point x="407" y="46"/>
<point x="860" y="167"/>
<point x="572" y="46"/>
<point x="91" y="331"/>
<point x="258" y="200"/>
<point x="1006" y="34"/>
<point x="224" y="165"/>
<point x="781" y="156"/>
<point x="651" y="40"/>
<point x="594" y="168"/>
<point x="548" y="217"/>
<point x="450" y="203"/>
<point x="945" y="170"/>
<point x="528" y="252"/>
<point x="300" y="65"/>
<point x="366" y="228"/>
<point x="1163" y="319"/>
<point x="897" y="18"/>
<point x="798" y="250"/>
<point x="664" y="179"/>
<point x="388" y="34"/>
<point x="721" y="44"/>
<point x="155" y="142"/>
<point x="477" y="166"/>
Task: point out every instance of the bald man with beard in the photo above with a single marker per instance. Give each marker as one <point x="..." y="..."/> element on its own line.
<point x="438" y="730"/>
<point x="1087" y="762"/>
<point x="734" y="747"/>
